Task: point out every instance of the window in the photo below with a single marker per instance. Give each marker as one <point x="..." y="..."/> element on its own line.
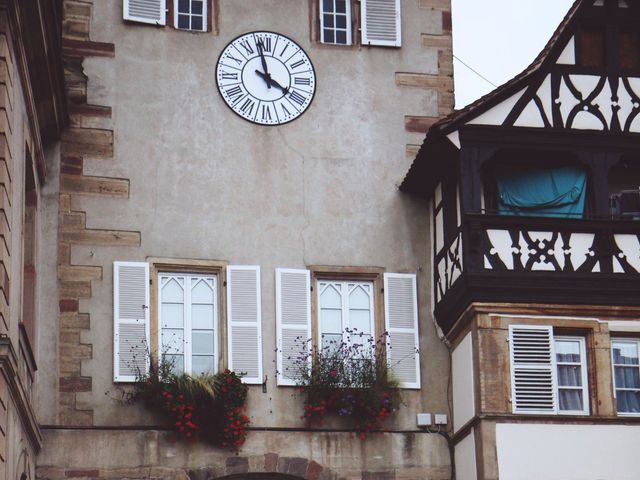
<point x="188" y="319"/>
<point x="179" y="314"/>
<point x="624" y="189"/>
<point x="190" y="15"/>
<point x="346" y="314"/>
<point x="335" y="22"/>
<point x="348" y="303"/>
<point x="571" y="370"/>
<point x="626" y="373"/>
<point x="548" y="374"/>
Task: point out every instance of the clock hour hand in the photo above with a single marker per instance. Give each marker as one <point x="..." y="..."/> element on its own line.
<point x="266" y="76"/>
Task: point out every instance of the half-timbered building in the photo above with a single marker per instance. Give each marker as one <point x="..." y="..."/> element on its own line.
<point x="535" y="194"/>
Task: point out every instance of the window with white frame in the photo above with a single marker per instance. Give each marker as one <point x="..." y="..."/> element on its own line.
<point x="571" y="367"/>
<point x="548" y="373"/>
<point x="346" y="315"/>
<point x="188" y="319"/>
<point x="345" y="300"/>
<point x="335" y="22"/>
<point x="626" y="372"/>
<point x="191" y="15"/>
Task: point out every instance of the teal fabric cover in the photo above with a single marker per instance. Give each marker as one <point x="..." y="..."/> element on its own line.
<point x="538" y="192"/>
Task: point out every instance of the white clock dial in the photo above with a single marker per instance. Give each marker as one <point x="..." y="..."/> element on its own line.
<point x="265" y="77"/>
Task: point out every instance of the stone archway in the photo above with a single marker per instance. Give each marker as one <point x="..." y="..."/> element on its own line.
<point x="269" y="466"/>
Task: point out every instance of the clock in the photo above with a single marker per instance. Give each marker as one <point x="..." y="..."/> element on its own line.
<point x="266" y="78"/>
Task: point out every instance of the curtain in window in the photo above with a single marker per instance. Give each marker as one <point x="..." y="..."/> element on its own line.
<point x="557" y="192"/>
<point x="569" y="376"/>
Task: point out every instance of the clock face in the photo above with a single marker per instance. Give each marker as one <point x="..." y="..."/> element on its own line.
<point x="266" y="78"/>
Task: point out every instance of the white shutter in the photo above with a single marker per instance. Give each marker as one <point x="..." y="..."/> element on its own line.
<point x="293" y="322"/>
<point x="401" y="322"/>
<point x="145" y="11"/>
<point x="244" y="322"/>
<point x="533" y="376"/>
<point x="381" y="23"/>
<point x="131" y="320"/>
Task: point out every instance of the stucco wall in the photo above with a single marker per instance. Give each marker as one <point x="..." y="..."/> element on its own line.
<point x="206" y="184"/>
<point x="462" y="377"/>
<point x="585" y="452"/>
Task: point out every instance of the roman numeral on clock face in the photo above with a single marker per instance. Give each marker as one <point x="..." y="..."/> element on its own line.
<point x="297" y="64"/>
<point x="302" y="81"/>
<point x="265" y="43"/>
<point x="237" y="60"/>
<point x="247" y="106"/>
<point x="229" y="76"/>
<point x="266" y="113"/>
<point x="296" y="97"/>
<point x="234" y="93"/>
<point x="247" y="46"/>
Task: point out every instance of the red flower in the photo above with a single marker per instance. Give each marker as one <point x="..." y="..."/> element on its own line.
<point x="229" y="379"/>
<point x="333" y="373"/>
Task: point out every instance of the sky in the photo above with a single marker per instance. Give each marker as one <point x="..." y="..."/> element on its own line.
<point x="499" y="39"/>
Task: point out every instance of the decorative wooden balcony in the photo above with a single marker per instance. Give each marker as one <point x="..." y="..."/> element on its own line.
<point x="514" y="259"/>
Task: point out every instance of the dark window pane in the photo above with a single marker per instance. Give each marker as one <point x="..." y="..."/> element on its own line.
<point x="341" y="6"/>
<point x="327" y="6"/>
<point x="628" y="402"/>
<point x="183" y="21"/>
<point x="328" y="36"/>
<point x="196" y="7"/>
<point x="630" y="50"/>
<point x="183" y="6"/>
<point x="341" y="37"/>
<point x="328" y="21"/>
<point x="341" y="21"/>
<point x="591" y="47"/>
<point x="196" y="23"/>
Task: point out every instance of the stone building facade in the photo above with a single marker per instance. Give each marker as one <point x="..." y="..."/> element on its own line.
<point x="154" y="168"/>
<point x="32" y="116"/>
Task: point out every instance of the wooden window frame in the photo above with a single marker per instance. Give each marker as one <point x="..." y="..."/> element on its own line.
<point x="205" y="16"/>
<point x="218" y="268"/>
<point x="345" y="274"/>
<point x="349" y="23"/>
<point x="315" y="25"/>
<point x="623" y="339"/>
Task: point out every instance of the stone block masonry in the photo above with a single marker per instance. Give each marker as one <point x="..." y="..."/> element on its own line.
<point x="442" y="82"/>
<point x="74" y="281"/>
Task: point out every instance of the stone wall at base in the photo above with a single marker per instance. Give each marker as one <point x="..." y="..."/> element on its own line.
<point x="114" y="454"/>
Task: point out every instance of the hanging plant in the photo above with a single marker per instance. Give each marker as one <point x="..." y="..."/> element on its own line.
<point x="210" y="408"/>
<point x="351" y="380"/>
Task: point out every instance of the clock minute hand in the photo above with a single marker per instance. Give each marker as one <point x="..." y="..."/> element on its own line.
<point x="273" y="82"/>
<point x="267" y="77"/>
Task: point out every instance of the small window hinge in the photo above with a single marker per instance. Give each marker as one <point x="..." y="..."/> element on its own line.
<point x="224" y="284"/>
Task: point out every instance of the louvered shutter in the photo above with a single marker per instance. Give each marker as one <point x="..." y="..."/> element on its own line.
<point x="381" y="23"/>
<point x="244" y="322"/>
<point x="145" y="11"/>
<point x="131" y="320"/>
<point x="401" y="322"/>
<point x="293" y="323"/>
<point x="533" y="376"/>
